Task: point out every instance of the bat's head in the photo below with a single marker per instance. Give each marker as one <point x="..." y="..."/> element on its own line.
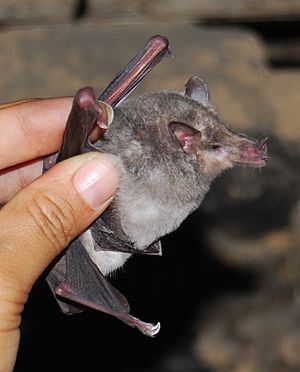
<point x="171" y="146"/>
<point x="182" y="135"/>
<point x="194" y="129"/>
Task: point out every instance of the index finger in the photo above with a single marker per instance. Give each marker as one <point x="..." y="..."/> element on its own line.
<point x="31" y="129"/>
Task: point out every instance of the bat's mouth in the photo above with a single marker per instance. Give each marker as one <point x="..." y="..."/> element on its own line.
<point x="253" y="154"/>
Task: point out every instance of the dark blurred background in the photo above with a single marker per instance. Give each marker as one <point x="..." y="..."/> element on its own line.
<point x="227" y="289"/>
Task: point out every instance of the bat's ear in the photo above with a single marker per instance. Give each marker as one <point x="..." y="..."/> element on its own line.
<point x="197" y="89"/>
<point x="186" y="136"/>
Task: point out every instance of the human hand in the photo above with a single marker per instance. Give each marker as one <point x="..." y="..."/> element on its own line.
<point x="43" y="213"/>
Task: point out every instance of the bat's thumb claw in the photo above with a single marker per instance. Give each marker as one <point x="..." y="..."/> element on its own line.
<point x="108" y="115"/>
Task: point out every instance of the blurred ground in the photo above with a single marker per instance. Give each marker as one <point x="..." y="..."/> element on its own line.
<point x="227" y="289"/>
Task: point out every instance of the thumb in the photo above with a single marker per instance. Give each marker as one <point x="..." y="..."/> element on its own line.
<point x="42" y="219"/>
<point x="38" y="223"/>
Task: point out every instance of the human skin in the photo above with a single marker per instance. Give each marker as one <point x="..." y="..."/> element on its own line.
<point x="42" y="213"/>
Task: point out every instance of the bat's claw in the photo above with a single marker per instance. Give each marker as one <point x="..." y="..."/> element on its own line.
<point x="108" y="115"/>
<point x="152" y="329"/>
<point x="147" y="329"/>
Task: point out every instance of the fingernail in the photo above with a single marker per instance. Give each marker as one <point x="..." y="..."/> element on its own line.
<point x="97" y="181"/>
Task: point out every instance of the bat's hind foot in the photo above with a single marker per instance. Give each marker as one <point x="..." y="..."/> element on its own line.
<point x="147" y="329"/>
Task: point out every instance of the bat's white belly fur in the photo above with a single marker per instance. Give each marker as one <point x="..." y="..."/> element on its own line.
<point x="147" y="219"/>
<point x="106" y="261"/>
<point x="148" y="211"/>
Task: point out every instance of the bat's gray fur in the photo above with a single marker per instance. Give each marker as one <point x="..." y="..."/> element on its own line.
<point x="169" y="148"/>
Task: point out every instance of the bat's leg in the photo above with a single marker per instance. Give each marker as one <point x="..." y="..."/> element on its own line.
<point x="85" y="285"/>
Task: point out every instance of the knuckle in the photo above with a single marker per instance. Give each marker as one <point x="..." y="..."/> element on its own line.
<point x="54" y="215"/>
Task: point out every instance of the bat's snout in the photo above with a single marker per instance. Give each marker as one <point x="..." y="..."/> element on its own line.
<point x="254" y="154"/>
<point x="248" y="152"/>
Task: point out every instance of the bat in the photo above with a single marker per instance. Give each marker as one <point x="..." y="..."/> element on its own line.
<point x="169" y="146"/>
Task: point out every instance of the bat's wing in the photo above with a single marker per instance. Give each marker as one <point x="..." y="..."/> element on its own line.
<point x="156" y="48"/>
<point x="85" y="285"/>
<point x="75" y="279"/>
<point x="85" y="113"/>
